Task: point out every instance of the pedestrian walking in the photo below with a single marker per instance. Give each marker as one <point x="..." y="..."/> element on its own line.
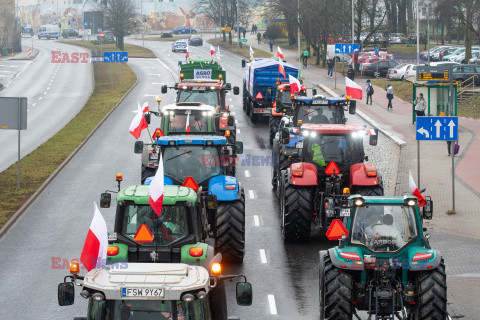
<point x="244" y="32"/>
<point x="264" y="38"/>
<point x="271" y="42"/>
<point x="389" y="96"/>
<point x="330" y="65"/>
<point x="253" y="29"/>
<point x="351" y="73"/>
<point x="420" y="106"/>
<point x="369" y="90"/>
<point x="259" y="37"/>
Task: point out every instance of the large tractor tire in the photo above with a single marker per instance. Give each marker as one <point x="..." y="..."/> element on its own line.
<point x="282" y="165"/>
<point x="432" y="294"/>
<point x="336" y="299"/>
<point x="147" y="173"/>
<point x="275" y="153"/>
<point x="273" y="123"/>
<point x="230" y="229"/>
<point x="253" y="116"/>
<point x="296" y="209"/>
<point x="368" y="191"/>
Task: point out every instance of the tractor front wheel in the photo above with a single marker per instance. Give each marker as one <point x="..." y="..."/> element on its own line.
<point x="296" y="209"/>
<point x="273" y="123"/>
<point x="337" y="302"/>
<point x="230" y="229"/>
<point x="432" y="294"/>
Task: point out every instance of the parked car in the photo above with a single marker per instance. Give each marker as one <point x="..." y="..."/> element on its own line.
<point x="195" y="41"/>
<point x="69" y="33"/>
<point x="411" y="71"/>
<point x="397" y="38"/>
<point x="413" y="37"/>
<point x="49" y="31"/>
<point x="378" y="69"/>
<point x="475" y="59"/>
<point x="443" y="64"/>
<point x="108" y="37"/>
<point x="461" y="57"/>
<point x="438" y="56"/>
<point x="452" y="55"/>
<point x="377" y="38"/>
<point x="467" y="72"/>
<point x="183" y="30"/>
<point x="398" y="72"/>
<point x="179" y="46"/>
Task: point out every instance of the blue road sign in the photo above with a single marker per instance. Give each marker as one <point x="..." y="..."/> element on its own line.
<point x="376" y="51"/>
<point x="115" y="56"/>
<point x="346" y="47"/>
<point x="85" y="23"/>
<point x="437" y="128"/>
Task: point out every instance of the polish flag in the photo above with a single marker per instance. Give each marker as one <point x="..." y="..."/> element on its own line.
<point x="414" y="190"/>
<point x="218" y="52"/>
<point x="294" y="84"/>
<point x="187" y="123"/>
<point x="371" y="132"/>
<point x="279" y="53"/>
<point x="156" y="189"/>
<point x="251" y="52"/>
<point x="212" y="50"/>
<point x="145" y="108"/>
<point x="281" y="69"/>
<point x="138" y="124"/>
<point x="353" y="89"/>
<point x="187" y="55"/>
<point x="94" y="253"/>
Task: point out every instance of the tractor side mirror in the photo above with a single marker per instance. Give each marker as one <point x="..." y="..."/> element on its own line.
<point x="285" y="135"/>
<point x="148" y="117"/>
<point x="374" y="138"/>
<point x="353" y="107"/>
<point x="211" y="201"/>
<point x="164" y="88"/>
<point x="314" y="92"/>
<point x="428" y="210"/>
<point x="138" y="149"/>
<point x="236" y="90"/>
<point x="243" y="63"/>
<point x="105" y="200"/>
<point x="269" y="91"/>
<point x="231" y="121"/>
<point x="66" y="294"/>
<point x="228" y="86"/>
<point x="238" y="147"/>
<point x="244" y="293"/>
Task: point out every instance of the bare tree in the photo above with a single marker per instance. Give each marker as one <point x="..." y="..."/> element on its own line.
<point x="119" y="15"/>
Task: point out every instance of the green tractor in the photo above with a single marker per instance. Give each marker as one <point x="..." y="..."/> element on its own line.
<point x="384" y="263"/>
<point x="201" y="70"/>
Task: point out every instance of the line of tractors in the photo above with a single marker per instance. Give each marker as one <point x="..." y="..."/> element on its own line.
<point x="169" y="266"/>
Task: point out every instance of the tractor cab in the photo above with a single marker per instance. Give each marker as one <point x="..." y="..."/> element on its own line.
<point x="319" y="109"/>
<point x="187" y="117"/>
<point x="283" y="99"/>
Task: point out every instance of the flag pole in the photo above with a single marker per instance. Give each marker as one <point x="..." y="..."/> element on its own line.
<point x="151" y="139"/>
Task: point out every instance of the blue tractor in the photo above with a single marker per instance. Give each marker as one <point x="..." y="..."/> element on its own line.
<point x="207" y="163"/>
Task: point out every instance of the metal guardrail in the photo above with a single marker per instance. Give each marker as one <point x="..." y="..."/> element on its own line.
<point x="465" y="87"/>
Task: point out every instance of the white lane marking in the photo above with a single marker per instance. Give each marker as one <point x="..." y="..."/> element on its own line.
<point x="271" y="302"/>
<point x="151" y="95"/>
<point x="34" y="104"/>
<point x="251" y="194"/>
<point x="233" y="113"/>
<point x="48" y="88"/>
<point x="236" y="121"/>
<point x="256" y="221"/>
<point x="158" y="83"/>
<point x="230" y="99"/>
<point x="263" y="256"/>
<point x="247" y="173"/>
<point x="40" y="98"/>
<point x="238" y="130"/>
<point x="45" y="92"/>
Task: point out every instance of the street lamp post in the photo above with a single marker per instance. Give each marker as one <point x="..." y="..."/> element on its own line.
<point x="353" y="35"/>
<point x="418" y="34"/>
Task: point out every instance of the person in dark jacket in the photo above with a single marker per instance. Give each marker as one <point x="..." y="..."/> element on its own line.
<point x="330" y="65"/>
<point x="351" y="73"/>
<point x="259" y="37"/>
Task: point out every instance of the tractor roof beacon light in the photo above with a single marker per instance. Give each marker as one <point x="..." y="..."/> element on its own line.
<point x="346" y="190"/>
<point x="159" y="100"/>
<point x="74" y="267"/>
<point x="119" y="177"/>
<point x="181" y="75"/>
<point x="216" y="269"/>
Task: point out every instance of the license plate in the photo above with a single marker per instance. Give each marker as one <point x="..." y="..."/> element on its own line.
<point x="345" y="212"/>
<point x="142" y="292"/>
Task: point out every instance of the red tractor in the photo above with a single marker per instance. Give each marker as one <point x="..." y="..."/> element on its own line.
<point x="328" y="167"/>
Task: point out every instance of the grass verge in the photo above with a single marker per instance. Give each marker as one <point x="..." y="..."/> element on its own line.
<point x="41" y="163"/>
<point x="133" y="50"/>
<point x="470" y="107"/>
<point x="401" y="89"/>
<point x="244" y="50"/>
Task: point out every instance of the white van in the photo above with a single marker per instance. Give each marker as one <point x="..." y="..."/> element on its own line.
<point x="49" y="31"/>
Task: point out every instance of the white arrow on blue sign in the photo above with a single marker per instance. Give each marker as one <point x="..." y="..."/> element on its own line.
<point x="115" y="56"/>
<point x="346" y="47"/>
<point x="437" y="128"/>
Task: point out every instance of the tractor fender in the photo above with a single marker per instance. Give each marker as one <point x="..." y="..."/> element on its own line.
<point x="342" y="264"/>
<point x="167" y="181"/>
<point x="217" y="184"/>
<point x="359" y="177"/>
<point x="427" y="265"/>
<point x="309" y="175"/>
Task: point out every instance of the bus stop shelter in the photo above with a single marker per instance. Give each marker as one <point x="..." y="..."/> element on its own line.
<point x="436" y="95"/>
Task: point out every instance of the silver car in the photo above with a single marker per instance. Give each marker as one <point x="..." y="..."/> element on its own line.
<point x="398" y="73"/>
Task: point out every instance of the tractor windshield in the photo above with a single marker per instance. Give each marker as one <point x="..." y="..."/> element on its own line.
<point x="197" y="121"/>
<point x="209" y="97"/>
<point x="343" y="150"/>
<point x="198" y="309"/>
<point x="320" y="114"/>
<point x="199" y="162"/>
<point x="169" y="227"/>
<point x="384" y="228"/>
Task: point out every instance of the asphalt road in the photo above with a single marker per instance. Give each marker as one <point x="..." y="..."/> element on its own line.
<point x="56" y="92"/>
<point x="284" y="276"/>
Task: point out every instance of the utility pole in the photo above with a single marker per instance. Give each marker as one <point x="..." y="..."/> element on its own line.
<point x="353" y="35"/>
<point x="418" y="34"/>
<point x="238" y="29"/>
<point x="298" y="40"/>
<point x="428" y="32"/>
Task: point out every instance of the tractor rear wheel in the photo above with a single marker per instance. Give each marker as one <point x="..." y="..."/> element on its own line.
<point x="337" y="302"/>
<point x="432" y="294"/>
<point x="275" y="164"/>
<point x="368" y="191"/>
<point x="282" y="165"/>
<point x="230" y="229"/>
<point x="252" y="114"/>
<point x="296" y="209"/>
<point x="273" y="123"/>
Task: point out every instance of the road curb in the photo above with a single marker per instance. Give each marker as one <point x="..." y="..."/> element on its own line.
<point x="40" y="189"/>
<point x="372" y="122"/>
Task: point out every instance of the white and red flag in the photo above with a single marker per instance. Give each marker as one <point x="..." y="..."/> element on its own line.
<point x="138" y="124"/>
<point x="145" y="108"/>
<point x="294" y="84"/>
<point x="187" y="123"/>
<point x="251" y="53"/>
<point x="187" y="55"/>
<point x="280" y="53"/>
<point x="212" y="50"/>
<point x="281" y="69"/>
<point x="414" y="190"/>
<point x="94" y="253"/>
<point x="218" y="52"/>
<point x="156" y="189"/>
<point x="353" y="89"/>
